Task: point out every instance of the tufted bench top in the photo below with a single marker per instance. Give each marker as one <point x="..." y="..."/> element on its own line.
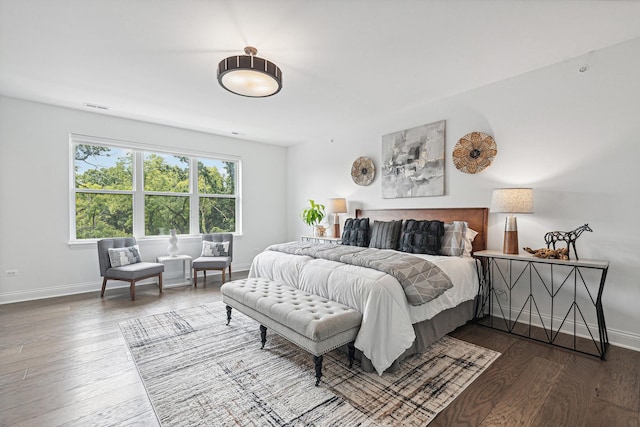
<point x="314" y="317"/>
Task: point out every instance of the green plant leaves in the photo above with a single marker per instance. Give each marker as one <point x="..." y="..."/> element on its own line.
<point x="314" y="214"/>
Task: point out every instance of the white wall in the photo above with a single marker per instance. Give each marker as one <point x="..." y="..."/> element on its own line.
<point x="574" y="137"/>
<point x="34" y="195"/>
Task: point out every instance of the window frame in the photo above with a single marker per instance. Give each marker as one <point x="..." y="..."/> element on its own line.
<point x="138" y="192"/>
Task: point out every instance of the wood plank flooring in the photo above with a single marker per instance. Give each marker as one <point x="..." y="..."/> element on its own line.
<point x="63" y="361"/>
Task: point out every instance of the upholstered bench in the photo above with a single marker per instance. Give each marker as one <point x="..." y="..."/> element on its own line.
<point x="316" y="324"/>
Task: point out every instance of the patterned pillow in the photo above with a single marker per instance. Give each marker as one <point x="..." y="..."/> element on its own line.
<point x="215" y="248"/>
<point x="124" y="256"/>
<point x="453" y="239"/>
<point x="421" y="237"/>
<point x="385" y="235"/>
<point x="468" y="241"/>
<point x="356" y="232"/>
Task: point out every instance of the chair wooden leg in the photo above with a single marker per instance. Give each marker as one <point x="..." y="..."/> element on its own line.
<point x="229" y="271"/>
<point x="104" y="286"/>
<point x="133" y="290"/>
<point x="205" y="277"/>
<point x="223" y="275"/>
<point x="160" y="282"/>
<point x="195" y="277"/>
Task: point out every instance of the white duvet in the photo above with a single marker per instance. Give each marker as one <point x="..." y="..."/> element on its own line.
<point x="387" y="317"/>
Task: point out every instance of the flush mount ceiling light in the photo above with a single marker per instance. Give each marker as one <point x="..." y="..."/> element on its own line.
<point x="248" y="75"/>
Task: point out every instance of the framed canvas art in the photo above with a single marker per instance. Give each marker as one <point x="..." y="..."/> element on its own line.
<point x="413" y="162"/>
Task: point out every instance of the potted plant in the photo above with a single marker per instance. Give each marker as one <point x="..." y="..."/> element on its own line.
<point x="312" y="216"/>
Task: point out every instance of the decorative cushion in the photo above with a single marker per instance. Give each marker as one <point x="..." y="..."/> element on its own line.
<point x="136" y="271"/>
<point x="453" y="239"/>
<point x="468" y="241"/>
<point x="356" y="232"/>
<point x="421" y="237"/>
<point x="385" y="235"/>
<point x="124" y="256"/>
<point x="211" y="262"/>
<point x="215" y="248"/>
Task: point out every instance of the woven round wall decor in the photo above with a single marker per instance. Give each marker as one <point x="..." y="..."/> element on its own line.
<point x="363" y="171"/>
<point x="474" y="152"/>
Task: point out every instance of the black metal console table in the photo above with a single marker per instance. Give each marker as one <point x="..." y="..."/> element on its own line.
<point x="515" y="289"/>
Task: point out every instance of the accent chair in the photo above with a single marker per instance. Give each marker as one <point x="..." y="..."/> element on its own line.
<point x="120" y="259"/>
<point x="214" y="256"/>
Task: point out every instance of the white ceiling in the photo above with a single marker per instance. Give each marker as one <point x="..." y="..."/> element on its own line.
<point x="343" y="61"/>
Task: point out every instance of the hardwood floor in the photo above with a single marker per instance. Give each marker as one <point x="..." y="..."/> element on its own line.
<point x="63" y="361"/>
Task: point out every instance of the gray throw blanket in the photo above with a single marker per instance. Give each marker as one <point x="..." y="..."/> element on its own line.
<point x="421" y="280"/>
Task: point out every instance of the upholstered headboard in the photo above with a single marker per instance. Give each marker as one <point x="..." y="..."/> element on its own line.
<point x="477" y="218"/>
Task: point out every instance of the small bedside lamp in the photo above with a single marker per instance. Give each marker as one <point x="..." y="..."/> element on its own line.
<point x="336" y="206"/>
<point x="511" y="201"/>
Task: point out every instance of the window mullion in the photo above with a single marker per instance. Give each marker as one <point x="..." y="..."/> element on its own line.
<point x="138" y="194"/>
<point x="194" y="203"/>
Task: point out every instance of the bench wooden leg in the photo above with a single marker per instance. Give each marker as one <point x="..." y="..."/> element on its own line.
<point x="352" y="353"/>
<point x="104" y="286"/>
<point x="317" y="361"/>
<point x="263" y="335"/>
<point x="228" y="315"/>
<point x="132" y="290"/>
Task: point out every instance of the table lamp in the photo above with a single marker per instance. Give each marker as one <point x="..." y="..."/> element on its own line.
<point x="511" y="201"/>
<point x="336" y="206"/>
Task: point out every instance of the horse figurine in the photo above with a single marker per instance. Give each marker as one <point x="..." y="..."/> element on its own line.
<point x="570" y="237"/>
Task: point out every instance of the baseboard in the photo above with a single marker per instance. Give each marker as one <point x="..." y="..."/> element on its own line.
<point x="617" y="337"/>
<point x="624" y="339"/>
<point x="95" y="286"/>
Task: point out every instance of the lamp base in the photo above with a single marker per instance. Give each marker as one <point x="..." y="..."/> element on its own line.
<point x="510" y="245"/>
<point x="336" y="230"/>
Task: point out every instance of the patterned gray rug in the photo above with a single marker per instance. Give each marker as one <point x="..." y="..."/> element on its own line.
<point x="198" y="371"/>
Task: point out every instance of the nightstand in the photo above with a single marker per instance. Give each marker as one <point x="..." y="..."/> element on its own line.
<point x="326" y="239"/>
<point x="554" y="301"/>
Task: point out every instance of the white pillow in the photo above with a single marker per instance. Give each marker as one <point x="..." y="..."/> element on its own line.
<point x="454" y="238"/>
<point x="468" y="240"/>
<point x="214" y="248"/>
<point x="124" y="256"/>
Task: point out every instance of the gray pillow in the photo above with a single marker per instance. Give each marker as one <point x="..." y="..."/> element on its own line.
<point x="453" y="239"/>
<point x="124" y="256"/>
<point x="385" y="235"/>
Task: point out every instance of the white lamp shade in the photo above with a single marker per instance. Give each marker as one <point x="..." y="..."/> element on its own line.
<point x="337" y="205"/>
<point x="512" y="200"/>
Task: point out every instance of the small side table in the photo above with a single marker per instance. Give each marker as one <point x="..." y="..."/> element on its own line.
<point x="186" y="260"/>
<point x="520" y="292"/>
<point x="324" y="239"/>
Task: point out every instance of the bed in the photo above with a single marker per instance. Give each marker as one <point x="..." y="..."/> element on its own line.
<point x="392" y="328"/>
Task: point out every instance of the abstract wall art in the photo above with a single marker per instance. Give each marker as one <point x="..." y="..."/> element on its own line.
<point x="413" y="162"/>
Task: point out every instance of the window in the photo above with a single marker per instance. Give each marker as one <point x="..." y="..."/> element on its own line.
<point x="166" y="193"/>
<point x="121" y="190"/>
<point x="216" y="191"/>
<point x="104" y="191"/>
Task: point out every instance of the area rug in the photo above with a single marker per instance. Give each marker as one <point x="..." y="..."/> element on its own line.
<point x="198" y="371"/>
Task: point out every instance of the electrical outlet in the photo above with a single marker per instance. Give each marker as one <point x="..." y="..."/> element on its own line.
<point x="11" y="272"/>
